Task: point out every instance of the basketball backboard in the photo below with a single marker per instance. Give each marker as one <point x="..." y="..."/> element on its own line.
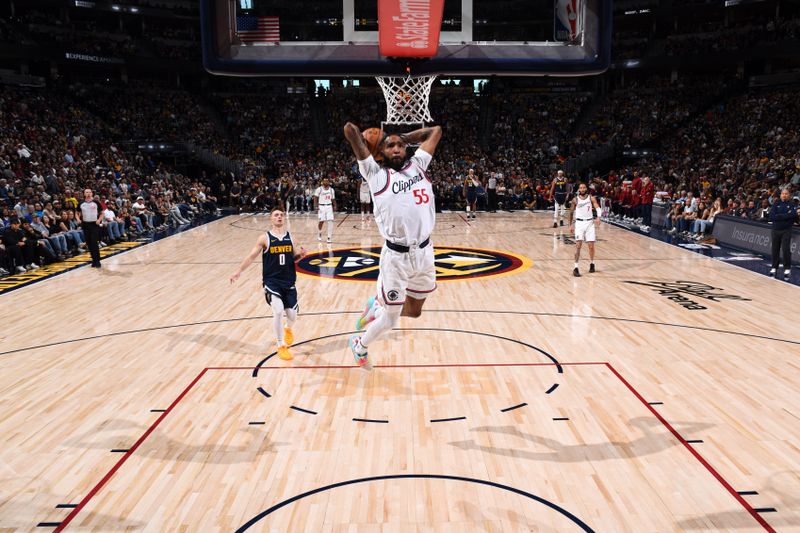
<point x="340" y="38"/>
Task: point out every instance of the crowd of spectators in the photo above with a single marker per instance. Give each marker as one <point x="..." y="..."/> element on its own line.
<point x="528" y="137"/>
<point x="54" y="143"/>
<point x="713" y="36"/>
<point x="734" y="159"/>
<point x="50" y="150"/>
<point x="84" y="41"/>
<point x="641" y="111"/>
<point x="148" y="113"/>
<point x="630" y="44"/>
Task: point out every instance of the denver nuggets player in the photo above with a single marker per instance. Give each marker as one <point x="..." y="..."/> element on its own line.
<point x="278" y="257"/>
<point x="405" y="214"/>
<point x="558" y="193"/>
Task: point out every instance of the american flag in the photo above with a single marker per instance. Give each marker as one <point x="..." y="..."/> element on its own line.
<point x="252" y="29"/>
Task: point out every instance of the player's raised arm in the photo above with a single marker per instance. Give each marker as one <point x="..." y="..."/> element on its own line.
<point x="257" y="249"/>
<point x="356" y="140"/>
<point x="427" y="137"/>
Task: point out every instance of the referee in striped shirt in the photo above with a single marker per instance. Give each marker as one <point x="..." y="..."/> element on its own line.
<point x="91" y="218"/>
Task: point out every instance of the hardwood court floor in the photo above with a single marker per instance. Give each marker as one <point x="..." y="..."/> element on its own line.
<point x="129" y="399"/>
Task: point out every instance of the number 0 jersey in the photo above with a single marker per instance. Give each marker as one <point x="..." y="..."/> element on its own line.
<point x="277" y="260"/>
<point x="404" y="207"/>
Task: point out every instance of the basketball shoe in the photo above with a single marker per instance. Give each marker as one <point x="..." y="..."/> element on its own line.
<point x="283" y="353"/>
<point x="360" y="353"/>
<point x="369" y="313"/>
<point x="288" y="336"/>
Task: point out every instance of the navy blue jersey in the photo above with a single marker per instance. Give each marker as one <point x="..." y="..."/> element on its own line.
<point x="278" y="260"/>
<point x="561" y="187"/>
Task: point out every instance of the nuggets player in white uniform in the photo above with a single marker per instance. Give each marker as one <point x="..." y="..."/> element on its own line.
<point x="325" y="203"/>
<point x="583" y="224"/>
<point x="405" y="213"/>
<point x="365" y="198"/>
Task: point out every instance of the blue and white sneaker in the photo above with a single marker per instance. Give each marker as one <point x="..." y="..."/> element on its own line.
<point x="360" y="353"/>
<point x="368" y="315"/>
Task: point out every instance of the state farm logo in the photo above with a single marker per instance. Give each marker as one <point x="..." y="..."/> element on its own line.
<point x="685" y="293"/>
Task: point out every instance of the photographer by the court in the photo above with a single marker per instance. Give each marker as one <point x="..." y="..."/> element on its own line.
<point x="783" y="215"/>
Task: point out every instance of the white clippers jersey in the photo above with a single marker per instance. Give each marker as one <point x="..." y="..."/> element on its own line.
<point x="404" y="207"/>
<point x="583" y="209"/>
<point x="326" y="196"/>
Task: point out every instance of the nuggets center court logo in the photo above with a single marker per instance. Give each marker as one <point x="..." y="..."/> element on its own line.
<point x="452" y="263"/>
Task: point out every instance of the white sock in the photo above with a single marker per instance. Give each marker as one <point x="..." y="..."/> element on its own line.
<point x="291" y="317"/>
<point x="385" y="320"/>
<point x="576" y="264"/>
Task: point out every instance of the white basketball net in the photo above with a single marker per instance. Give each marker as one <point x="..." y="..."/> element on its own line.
<point x="407" y="99"/>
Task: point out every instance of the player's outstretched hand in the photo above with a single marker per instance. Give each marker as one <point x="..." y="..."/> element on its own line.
<point x="235" y="277"/>
<point x="303" y="253"/>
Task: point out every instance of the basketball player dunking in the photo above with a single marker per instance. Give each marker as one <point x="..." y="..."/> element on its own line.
<point x="325" y="204"/>
<point x="558" y="193"/>
<point x="405" y="214"/>
<point x="583" y="224"/>
<point x="278" y="257"/>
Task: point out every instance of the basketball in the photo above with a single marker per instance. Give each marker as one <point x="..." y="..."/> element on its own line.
<point x="373" y="137"/>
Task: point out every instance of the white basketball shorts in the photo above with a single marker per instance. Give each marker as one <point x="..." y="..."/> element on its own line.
<point x="412" y="273"/>
<point x="325" y="213"/>
<point x="584" y="230"/>
<point x="365" y="198"/>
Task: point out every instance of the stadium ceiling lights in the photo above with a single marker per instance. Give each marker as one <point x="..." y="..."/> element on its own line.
<point x="731" y="3"/>
<point x="127" y="9"/>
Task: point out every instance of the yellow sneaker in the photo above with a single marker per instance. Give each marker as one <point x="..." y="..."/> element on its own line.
<point x="283" y="353"/>
<point x="288" y="336"/>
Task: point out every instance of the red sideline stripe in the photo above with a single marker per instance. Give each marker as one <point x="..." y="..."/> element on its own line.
<point x="125" y="457"/>
<point x="697" y="456"/>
